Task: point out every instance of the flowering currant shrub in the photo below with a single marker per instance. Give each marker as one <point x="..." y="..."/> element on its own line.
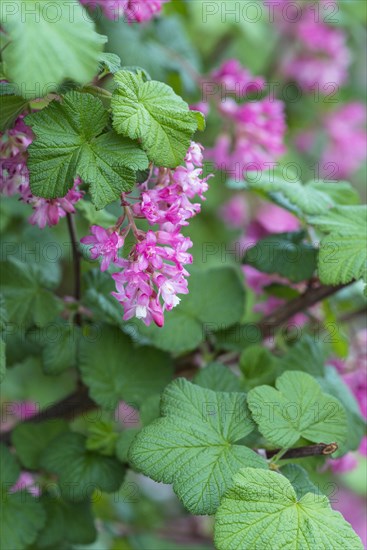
<point x="183" y="275"/>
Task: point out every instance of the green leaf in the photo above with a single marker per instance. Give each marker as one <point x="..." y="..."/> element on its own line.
<point x="109" y="63"/>
<point x="102" y="437"/>
<point x="27" y="300"/>
<point x="217" y="377"/>
<point x="150" y="409"/>
<point x="285" y="254"/>
<point x="152" y="112"/>
<point x="60" y="352"/>
<point x="200" y="119"/>
<point x="9" y="468"/>
<point x="341" y="192"/>
<point x="21" y="517"/>
<point x="307" y="355"/>
<point x="81" y="471"/>
<point x="66" y="521"/>
<point x="11" y="107"/>
<point x="115" y="370"/>
<point x="297" y="198"/>
<point x="216" y="301"/>
<point x="94" y="216"/>
<point x="333" y="384"/>
<point x="194" y="445"/>
<point x="98" y="297"/>
<point x="258" y="366"/>
<point x="2" y="359"/>
<point x="343" y="252"/>
<point x="299" y="479"/>
<point x="262" y="511"/>
<point x="124" y="442"/>
<point x="39" y="69"/>
<point x="31" y="439"/>
<point x="297" y="408"/>
<point x="69" y="143"/>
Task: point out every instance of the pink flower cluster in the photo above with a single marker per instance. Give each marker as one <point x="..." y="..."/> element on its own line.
<point x="154" y="272"/>
<point x="14" y="178"/>
<point x="319" y="57"/>
<point x="346" y="141"/>
<point x="354" y="373"/>
<point x="133" y="11"/>
<point x="254" y="129"/>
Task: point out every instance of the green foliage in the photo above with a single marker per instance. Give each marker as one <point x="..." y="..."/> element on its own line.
<point x="60" y="353"/>
<point x="69" y="143"/>
<point x="38" y="70"/>
<point x="299" y="479"/>
<point x="258" y="366"/>
<point x="31" y="440"/>
<point x="217" y="377"/>
<point x="262" y="510"/>
<point x="153" y="113"/>
<point x="11" y="107"/>
<point x="285" y="254"/>
<point x="21" y="505"/>
<point x="343" y="251"/>
<point x="27" y="296"/>
<point x="216" y="300"/>
<point x="194" y="444"/>
<point x="80" y="471"/>
<point x="115" y="370"/>
<point x="297" y="408"/>
<point x="66" y="522"/>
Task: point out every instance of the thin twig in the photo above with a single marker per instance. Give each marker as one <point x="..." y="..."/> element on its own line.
<point x="309" y="450"/>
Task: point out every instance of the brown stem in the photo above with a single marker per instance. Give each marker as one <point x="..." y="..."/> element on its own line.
<point x="68" y="408"/>
<point x="310" y="450"/>
<point x="311" y="297"/>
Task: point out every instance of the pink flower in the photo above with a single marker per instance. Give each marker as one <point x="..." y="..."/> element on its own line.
<point x="235" y="78"/>
<point x="105" y="243"/>
<point x="257" y="140"/>
<point x="235" y="212"/>
<point x="13" y="156"/>
<point x="49" y="211"/>
<point x="347" y="140"/>
<point x="320" y="56"/>
<point x="354" y="509"/>
<point x="132" y="10"/>
<point x="26" y="482"/>
<point x="344" y="464"/>
<point x="154" y="273"/>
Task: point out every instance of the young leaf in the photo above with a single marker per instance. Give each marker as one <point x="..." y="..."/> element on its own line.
<point x="26" y="298"/>
<point x="69" y="143"/>
<point x="81" y="471"/>
<point x="30" y="440"/>
<point x="297" y="408"/>
<point x="39" y="69"/>
<point x="262" y="511"/>
<point x="194" y="444"/>
<point x="115" y="370"/>
<point x="152" y="112"/>
<point x="285" y="254"/>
